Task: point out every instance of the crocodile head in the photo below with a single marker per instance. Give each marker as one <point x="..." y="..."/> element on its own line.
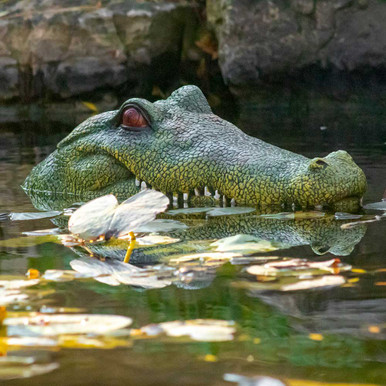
<point x="179" y="146"/>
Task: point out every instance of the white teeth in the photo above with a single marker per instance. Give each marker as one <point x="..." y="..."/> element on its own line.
<point x="293" y="206"/>
<point x="206" y="191"/>
<point x="185" y="196"/>
<point x="233" y="202"/>
<point x="143" y="185"/>
<point x="318" y="207"/>
<point x="196" y="192"/>
<point x="217" y="195"/>
<point x="137" y="182"/>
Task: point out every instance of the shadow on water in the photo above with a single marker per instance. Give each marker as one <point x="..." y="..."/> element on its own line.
<point x="325" y="334"/>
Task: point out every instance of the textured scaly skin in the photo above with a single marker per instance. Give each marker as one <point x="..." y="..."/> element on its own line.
<point x="187" y="147"/>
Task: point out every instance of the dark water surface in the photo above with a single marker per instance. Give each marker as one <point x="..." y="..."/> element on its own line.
<point x="273" y="328"/>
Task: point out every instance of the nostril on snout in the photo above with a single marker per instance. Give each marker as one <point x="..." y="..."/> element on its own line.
<point x="318" y="163"/>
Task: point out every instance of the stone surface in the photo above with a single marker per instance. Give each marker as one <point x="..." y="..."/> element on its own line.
<point x="53" y="49"/>
<point x="270" y="40"/>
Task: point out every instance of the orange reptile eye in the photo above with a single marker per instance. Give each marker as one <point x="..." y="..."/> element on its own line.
<point x="131" y="117"/>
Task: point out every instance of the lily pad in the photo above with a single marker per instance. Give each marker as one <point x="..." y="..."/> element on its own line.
<point x="230" y="211"/>
<point x="175" y="212"/>
<point x="104" y="216"/>
<point x="114" y="273"/>
<point x="14" y="367"/>
<point x="246" y="244"/>
<point x="376" y="205"/>
<point x="58" y="324"/>
<point x="298" y="267"/>
<point x="325" y="281"/>
<point x="33" y="215"/>
<point x="204" y="330"/>
<point x="162" y="225"/>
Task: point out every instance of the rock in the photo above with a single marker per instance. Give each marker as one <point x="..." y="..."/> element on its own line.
<point x="51" y="50"/>
<point x="265" y="41"/>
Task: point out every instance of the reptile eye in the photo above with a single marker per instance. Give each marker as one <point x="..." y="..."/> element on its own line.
<point x="132" y="117"/>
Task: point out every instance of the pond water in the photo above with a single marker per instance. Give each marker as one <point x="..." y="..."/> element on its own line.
<point x="329" y="334"/>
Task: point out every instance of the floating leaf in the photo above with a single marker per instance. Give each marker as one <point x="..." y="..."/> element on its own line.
<point x="175" y="212"/>
<point x="9" y="296"/>
<point x="347" y="216"/>
<point x="33" y="215"/>
<point x="12" y="282"/>
<point x="205" y="256"/>
<point x="204" y="330"/>
<point x="253" y="381"/>
<point x="325" y="281"/>
<point x="60" y="275"/>
<point x="43" y="232"/>
<point x="155" y="239"/>
<point x="104" y="216"/>
<point x="245" y="244"/>
<point x="230" y="211"/>
<point x="114" y="273"/>
<point x="376" y="206"/>
<point x="58" y="324"/>
<point x="14" y="367"/>
<point x="297" y="267"/>
<point x="162" y="225"/>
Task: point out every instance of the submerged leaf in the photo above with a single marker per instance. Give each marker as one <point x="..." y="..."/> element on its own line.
<point x="103" y="216"/>
<point x="204" y="330"/>
<point x="58" y="324"/>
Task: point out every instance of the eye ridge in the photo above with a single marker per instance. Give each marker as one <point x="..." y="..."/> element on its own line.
<point x="133" y="118"/>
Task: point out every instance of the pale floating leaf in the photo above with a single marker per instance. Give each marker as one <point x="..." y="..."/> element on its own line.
<point x="347" y="216"/>
<point x="175" y="212"/>
<point x="246" y="244"/>
<point x="115" y="273"/>
<point x="14" y="367"/>
<point x="230" y="211"/>
<point x="43" y="232"/>
<point x="29" y="341"/>
<point x="155" y="240"/>
<point x="10" y="282"/>
<point x="297" y="267"/>
<point x="138" y="210"/>
<point x="93" y="219"/>
<point x="204" y="330"/>
<point x="59" y="324"/>
<point x="59" y="275"/>
<point x="162" y="225"/>
<point x="325" y="281"/>
<point x="9" y="296"/>
<point x="376" y="205"/>
<point x="33" y="215"/>
<point x="104" y="216"/>
<point x="253" y="381"/>
<point x="205" y="256"/>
